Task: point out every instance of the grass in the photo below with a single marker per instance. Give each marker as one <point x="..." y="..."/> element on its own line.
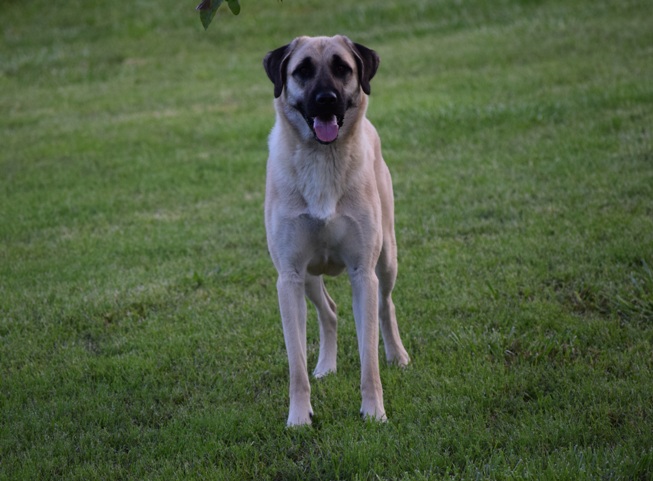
<point x="139" y="331"/>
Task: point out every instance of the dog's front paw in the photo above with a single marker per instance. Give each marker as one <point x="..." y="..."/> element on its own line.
<point x="373" y="411"/>
<point x="300" y="417"/>
<point x="299" y="421"/>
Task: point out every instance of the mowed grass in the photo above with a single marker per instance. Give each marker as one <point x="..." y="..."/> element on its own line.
<point x="139" y="330"/>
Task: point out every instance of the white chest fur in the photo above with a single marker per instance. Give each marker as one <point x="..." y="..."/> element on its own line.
<point x="321" y="181"/>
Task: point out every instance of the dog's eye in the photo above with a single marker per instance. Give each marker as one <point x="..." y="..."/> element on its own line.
<point x="304" y="71"/>
<point x="341" y="70"/>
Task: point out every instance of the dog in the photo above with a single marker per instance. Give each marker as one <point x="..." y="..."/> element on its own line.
<point x="329" y="207"/>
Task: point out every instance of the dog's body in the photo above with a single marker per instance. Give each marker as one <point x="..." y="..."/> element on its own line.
<point x="329" y="207"/>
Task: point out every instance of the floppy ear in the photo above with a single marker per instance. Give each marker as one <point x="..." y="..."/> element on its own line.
<point x="275" y="66"/>
<point x="368" y="62"/>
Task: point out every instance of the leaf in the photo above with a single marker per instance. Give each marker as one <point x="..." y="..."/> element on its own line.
<point x="234" y="6"/>
<point x="207" y="10"/>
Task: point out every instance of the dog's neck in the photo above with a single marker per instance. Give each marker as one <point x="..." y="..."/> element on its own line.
<point x="322" y="173"/>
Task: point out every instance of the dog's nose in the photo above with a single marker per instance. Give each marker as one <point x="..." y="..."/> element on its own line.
<point x="326" y="98"/>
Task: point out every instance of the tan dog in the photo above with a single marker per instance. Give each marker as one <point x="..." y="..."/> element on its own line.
<point x="329" y="207"/>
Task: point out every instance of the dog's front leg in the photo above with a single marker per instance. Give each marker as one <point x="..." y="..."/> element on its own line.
<point x="365" y="296"/>
<point x="292" y="304"/>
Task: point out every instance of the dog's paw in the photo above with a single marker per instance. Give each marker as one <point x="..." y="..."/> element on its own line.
<point x="373" y="411"/>
<point x="296" y="419"/>
<point x="399" y="358"/>
<point x="322" y="371"/>
<point x="374" y="417"/>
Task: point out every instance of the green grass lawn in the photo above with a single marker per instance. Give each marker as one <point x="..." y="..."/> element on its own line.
<point x="139" y="330"/>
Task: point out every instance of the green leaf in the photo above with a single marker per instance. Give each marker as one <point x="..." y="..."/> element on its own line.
<point x="207" y="10"/>
<point x="234" y="6"/>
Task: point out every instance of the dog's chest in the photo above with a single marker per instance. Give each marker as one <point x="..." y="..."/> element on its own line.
<point x="321" y="181"/>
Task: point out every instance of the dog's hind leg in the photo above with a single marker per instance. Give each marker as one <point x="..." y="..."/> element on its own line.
<point x="386" y="271"/>
<point x="328" y="322"/>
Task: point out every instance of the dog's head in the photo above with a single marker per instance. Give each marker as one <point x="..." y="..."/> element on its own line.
<point x="320" y="80"/>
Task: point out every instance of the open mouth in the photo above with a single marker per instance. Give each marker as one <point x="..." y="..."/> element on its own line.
<point x="325" y="128"/>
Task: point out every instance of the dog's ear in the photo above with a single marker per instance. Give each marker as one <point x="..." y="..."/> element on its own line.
<point x="367" y="62"/>
<point x="275" y="66"/>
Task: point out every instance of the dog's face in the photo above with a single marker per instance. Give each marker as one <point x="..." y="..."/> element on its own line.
<point x="321" y="81"/>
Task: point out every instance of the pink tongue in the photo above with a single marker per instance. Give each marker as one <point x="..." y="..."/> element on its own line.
<point x="326" y="130"/>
